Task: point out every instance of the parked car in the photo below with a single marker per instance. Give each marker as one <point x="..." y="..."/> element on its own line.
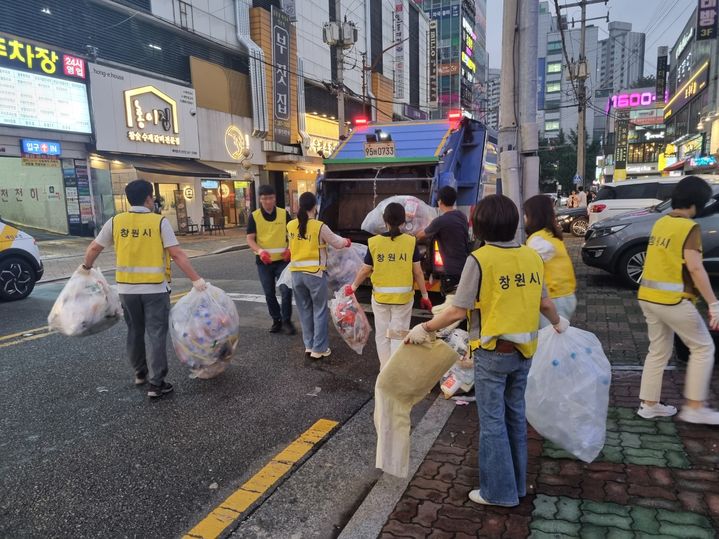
<point x="574" y="220"/>
<point x="20" y="263"/>
<point x="614" y="199"/>
<point x="619" y="245"/>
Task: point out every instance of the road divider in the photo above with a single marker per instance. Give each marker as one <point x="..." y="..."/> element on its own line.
<point x="259" y="485"/>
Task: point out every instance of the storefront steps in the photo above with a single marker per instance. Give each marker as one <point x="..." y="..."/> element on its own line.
<point x="61" y="255"/>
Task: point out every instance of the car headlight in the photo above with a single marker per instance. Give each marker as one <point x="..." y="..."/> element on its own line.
<point x="607" y="230"/>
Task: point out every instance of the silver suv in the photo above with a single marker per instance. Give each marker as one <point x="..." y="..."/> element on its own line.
<point x="619" y="245"/>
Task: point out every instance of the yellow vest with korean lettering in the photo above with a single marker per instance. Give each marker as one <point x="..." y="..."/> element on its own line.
<point x="558" y="271"/>
<point x="509" y="297"/>
<point x="306" y="251"/>
<point x="662" y="280"/>
<point x="141" y="257"/>
<point x="271" y="235"/>
<point x="392" y="279"/>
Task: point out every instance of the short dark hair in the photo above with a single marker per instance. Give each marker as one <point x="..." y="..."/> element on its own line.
<point x="495" y="219"/>
<point x="692" y="190"/>
<point x="539" y="210"/>
<point x="580" y="188"/>
<point x="266" y="190"/>
<point x="137" y="192"/>
<point x="448" y="195"/>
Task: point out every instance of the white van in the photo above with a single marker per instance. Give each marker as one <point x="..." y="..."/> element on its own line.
<point x="629" y="195"/>
<point x="20" y="263"/>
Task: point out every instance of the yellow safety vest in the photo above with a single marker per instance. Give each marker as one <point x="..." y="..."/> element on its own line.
<point x="306" y="251"/>
<point x="559" y="271"/>
<point x="392" y="279"/>
<point x="271" y="235"/>
<point x="662" y="280"/>
<point x="141" y="256"/>
<point x="509" y="297"/>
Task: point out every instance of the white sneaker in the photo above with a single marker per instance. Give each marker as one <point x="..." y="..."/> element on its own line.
<point x="657" y="410"/>
<point x="476" y="497"/>
<point x="319" y="355"/>
<point x="701" y="416"/>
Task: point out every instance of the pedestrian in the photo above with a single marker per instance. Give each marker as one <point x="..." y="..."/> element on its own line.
<point x="591" y="195"/>
<point x="267" y="237"/>
<point x="581" y="198"/>
<point x="673" y="273"/>
<point x="394" y="264"/>
<point x="309" y="238"/>
<point x="503" y="281"/>
<point x="573" y="200"/>
<point x="144" y="244"/>
<point x="545" y="237"/>
<point x="451" y="231"/>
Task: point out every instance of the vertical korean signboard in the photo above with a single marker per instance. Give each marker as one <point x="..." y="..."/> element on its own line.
<point x="281" y="75"/>
<point x="661" y="88"/>
<point x="621" y="133"/>
<point x="398" y="30"/>
<point x="432" y="63"/>
<point x="707" y="19"/>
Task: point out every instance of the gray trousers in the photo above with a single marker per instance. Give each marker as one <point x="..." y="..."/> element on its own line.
<point x="147" y="313"/>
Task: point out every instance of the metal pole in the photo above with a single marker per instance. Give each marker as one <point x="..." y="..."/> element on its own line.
<point x="339" y="52"/>
<point x="582" y="109"/>
<point x="528" y="129"/>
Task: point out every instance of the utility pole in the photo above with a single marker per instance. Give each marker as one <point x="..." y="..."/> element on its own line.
<point x="339" y="52"/>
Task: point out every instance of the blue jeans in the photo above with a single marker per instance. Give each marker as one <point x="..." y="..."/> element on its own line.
<point x="311" y="295"/>
<point x="269" y="273"/>
<point x="500" y="381"/>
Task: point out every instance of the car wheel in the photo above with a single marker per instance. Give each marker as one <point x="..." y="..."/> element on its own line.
<point x="579" y="227"/>
<point x="631" y="265"/>
<point x="17" y="279"/>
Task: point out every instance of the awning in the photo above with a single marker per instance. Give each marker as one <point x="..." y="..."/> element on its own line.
<point x="170" y="166"/>
<point x="679" y="165"/>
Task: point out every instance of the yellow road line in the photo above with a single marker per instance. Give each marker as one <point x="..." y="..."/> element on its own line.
<point x="26" y="339"/>
<point x="19" y="333"/>
<point x="242" y="499"/>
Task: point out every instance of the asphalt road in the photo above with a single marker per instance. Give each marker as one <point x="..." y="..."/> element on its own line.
<point x="83" y="453"/>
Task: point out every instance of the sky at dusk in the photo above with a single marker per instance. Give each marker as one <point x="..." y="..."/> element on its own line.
<point x="661" y="20"/>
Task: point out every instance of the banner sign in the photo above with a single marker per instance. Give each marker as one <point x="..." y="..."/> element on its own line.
<point x="398" y="30"/>
<point x="621" y="131"/>
<point x="432" y="63"/>
<point x="707" y="19"/>
<point x="661" y="87"/>
<point x="281" y="77"/>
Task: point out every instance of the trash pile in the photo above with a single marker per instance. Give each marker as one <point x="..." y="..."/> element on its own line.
<point x="350" y="320"/>
<point x="204" y="327"/>
<point x="343" y="265"/>
<point x="86" y="305"/>
<point x="418" y="215"/>
<point x="567" y="394"/>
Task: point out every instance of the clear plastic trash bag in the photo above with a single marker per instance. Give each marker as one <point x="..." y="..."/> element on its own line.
<point x="285" y="278"/>
<point x="343" y="265"/>
<point x="204" y="327"/>
<point x="568" y="391"/>
<point x="418" y="215"/>
<point x="86" y="305"/>
<point x="350" y="320"/>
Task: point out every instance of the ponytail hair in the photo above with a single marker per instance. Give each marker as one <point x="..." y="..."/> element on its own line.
<point x="394" y="216"/>
<point x="308" y="201"/>
<point x="540" y="216"/>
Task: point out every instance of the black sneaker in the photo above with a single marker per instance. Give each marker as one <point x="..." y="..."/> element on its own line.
<point x="159" y="391"/>
<point x="276" y="326"/>
<point x="289" y="327"/>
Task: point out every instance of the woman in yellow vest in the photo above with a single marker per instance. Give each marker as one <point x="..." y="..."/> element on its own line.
<point x="308" y="247"/>
<point x="504" y="281"/>
<point x="673" y="272"/>
<point x="393" y="261"/>
<point x="545" y="237"/>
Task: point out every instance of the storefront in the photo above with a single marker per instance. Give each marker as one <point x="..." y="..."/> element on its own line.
<point x="44" y="128"/>
<point x="147" y="128"/>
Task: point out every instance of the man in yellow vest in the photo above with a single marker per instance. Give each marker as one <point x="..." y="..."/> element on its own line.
<point x="267" y="237"/>
<point x="673" y="273"/>
<point x="144" y="243"/>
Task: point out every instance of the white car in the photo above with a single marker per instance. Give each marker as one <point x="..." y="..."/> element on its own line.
<point x="629" y="195"/>
<point x="20" y="263"/>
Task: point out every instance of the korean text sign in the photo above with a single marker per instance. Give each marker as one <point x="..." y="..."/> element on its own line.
<point x="18" y="53"/>
<point x="707" y="19"/>
<point x="281" y="76"/>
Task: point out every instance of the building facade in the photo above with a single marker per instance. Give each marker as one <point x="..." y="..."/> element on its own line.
<point x="621" y="57"/>
<point x="493" y="97"/>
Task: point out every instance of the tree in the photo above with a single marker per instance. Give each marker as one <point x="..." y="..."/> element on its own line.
<point x="558" y="162"/>
<point x="645" y="81"/>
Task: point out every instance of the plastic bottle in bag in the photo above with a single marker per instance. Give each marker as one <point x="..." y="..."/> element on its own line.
<point x="350" y="320"/>
<point x="343" y="265"/>
<point x="418" y="215"/>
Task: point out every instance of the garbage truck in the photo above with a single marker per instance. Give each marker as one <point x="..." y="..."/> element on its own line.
<point x="418" y="158"/>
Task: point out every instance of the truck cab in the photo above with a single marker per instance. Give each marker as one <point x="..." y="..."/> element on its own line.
<point x="415" y="158"/>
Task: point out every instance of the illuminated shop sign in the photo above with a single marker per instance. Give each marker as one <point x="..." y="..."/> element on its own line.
<point x="40" y="147"/>
<point x="16" y="53"/>
<point x="696" y="83"/>
<point x="632" y="100"/>
<point x="683" y="42"/>
<point x="469" y="37"/>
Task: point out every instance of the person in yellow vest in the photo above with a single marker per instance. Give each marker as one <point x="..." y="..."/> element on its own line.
<point x="673" y="273"/>
<point x="144" y="244"/>
<point x="393" y="262"/>
<point x="267" y="237"/>
<point x="545" y="237"/>
<point x="309" y="238"/>
<point x="504" y="281"/>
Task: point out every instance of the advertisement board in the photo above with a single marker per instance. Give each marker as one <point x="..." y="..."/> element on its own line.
<point x="281" y="76"/>
<point x="432" y="63"/>
<point x="621" y="132"/>
<point x="138" y="114"/>
<point x="707" y="19"/>
<point x="661" y="77"/>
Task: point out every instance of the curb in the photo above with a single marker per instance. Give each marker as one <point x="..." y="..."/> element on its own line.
<point x="229" y="249"/>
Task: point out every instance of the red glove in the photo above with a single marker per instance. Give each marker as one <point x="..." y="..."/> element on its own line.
<point x="425" y="304"/>
<point x="265" y="257"/>
<point x="287" y="256"/>
<point x="348" y="242"/>
<point x="349" y="290"/>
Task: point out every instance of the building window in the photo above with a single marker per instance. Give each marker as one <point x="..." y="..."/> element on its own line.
<point x="553" y="87"/>
<point x="554" y="46"/>
<point x="551" y="125"/>
<point x="184" y="10"/>
<point x="554" y="67"/>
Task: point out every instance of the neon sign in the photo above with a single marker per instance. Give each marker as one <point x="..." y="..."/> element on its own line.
<point x="686" y="93"/>
<point x="632" y="100"/>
